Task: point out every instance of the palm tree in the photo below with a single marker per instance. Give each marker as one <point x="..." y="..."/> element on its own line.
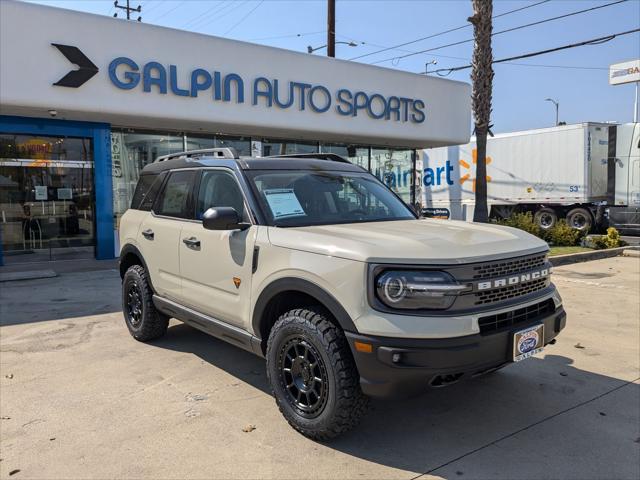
<point x="482" y="79"/>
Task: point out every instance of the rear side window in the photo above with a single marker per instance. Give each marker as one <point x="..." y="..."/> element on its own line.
<point x="174" y="199"/>
<point x="146" y="191"/>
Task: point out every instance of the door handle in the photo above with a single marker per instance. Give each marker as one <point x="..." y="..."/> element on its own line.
<point x="192" y="242"/>
<point x="148" y="234"/>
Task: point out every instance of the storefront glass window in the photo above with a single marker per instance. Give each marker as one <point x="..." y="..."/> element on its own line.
<point x="241" y="144"/>
<point x="284" y="147"/>
<point x="46" y="197"/>
<point x="394" y="168"/>
<point x="130" y="152"/>
<point x="355" y="154"/>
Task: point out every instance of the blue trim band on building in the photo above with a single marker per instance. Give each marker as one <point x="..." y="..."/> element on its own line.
<point x="100" y="134"/>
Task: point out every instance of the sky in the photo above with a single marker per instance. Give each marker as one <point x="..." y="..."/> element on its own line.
<point x="577" y="78"/>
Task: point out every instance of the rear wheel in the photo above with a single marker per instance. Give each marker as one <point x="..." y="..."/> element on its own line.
<point x="580" y="219"/>
<point x="545" y="218"/>
<point x="143" y="320"/>
<point x="313" y="375"/>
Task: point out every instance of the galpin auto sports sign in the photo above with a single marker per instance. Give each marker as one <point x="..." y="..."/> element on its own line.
<point x="126" y="74"/>
<point x="626" y="72"/>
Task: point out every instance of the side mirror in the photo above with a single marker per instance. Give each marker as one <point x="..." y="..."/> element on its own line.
<point x="223" y="218"/>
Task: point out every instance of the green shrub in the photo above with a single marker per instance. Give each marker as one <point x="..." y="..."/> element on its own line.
<point x="610" y="240"/>
<point x="562" y="235"/>
<point x="523" y="221"/>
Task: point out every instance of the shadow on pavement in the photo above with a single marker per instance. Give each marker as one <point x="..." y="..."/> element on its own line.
<point x="424" y="434"/>
<point x="70" y="295"/>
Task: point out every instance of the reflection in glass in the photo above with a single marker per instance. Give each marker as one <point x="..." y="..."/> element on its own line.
<point x="395" y="169"/>
<point x="46" y="194"/>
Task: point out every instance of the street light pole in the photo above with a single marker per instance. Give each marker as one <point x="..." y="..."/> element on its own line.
<point x="331" y="28"/>
<point x="311" y="49"/>
<point x="426" y="66"/>
<point x="557" y="104"/>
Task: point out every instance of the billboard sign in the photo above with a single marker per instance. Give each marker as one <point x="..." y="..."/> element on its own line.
<point x="625" y="72"/>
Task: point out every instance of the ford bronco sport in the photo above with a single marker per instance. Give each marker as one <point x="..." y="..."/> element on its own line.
<point x="314" y="264"/>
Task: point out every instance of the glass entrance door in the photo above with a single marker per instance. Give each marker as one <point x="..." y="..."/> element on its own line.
<point x="47" y="207"/>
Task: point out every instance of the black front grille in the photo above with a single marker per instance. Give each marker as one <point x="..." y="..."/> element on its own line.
<point x="499" y="321"/>
<point x="507" y="267"/>
<point x="509" y="292"/>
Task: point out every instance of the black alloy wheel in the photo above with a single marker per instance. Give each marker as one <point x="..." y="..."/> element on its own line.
<point x="303" y="376"/>
<point x="134" y="305"/>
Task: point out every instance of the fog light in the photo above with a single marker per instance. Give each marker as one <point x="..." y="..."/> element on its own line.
<point x="396" y="357"/>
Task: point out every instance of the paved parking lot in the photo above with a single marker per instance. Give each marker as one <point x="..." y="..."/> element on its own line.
<point x="81" y="399"/>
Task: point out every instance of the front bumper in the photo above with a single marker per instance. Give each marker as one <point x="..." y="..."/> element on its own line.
<point x="424" y="363"/>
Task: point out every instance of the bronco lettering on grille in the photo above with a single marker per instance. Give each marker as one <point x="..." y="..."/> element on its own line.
<point x="512" y="280"/>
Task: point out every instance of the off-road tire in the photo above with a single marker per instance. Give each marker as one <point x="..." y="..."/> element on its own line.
<point x="545" y="218"/>
<point x="345" y="404"/>
<point x="150" y="323"/>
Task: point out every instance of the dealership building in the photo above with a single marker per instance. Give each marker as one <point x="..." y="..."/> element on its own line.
<point x="86" y="101"/>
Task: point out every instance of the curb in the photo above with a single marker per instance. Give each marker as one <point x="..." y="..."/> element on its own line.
<point x="30" y="275"/>
<point x="595" y="255"/>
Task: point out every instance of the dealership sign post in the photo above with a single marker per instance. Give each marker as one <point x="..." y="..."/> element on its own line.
<point x="626" y="72"/>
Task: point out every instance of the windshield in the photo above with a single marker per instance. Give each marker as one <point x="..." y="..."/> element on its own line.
<point x="296" y="198"/>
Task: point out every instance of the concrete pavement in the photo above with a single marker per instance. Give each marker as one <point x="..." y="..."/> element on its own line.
<point x="81" y="399"/>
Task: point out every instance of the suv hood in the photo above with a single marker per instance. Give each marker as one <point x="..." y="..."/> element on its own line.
<point x="410" y="241"/>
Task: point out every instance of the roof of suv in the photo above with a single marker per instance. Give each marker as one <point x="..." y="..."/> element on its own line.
<point x="212" y="158"/>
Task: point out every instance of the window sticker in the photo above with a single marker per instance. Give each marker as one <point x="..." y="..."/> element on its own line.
<point x="284" y="203"/>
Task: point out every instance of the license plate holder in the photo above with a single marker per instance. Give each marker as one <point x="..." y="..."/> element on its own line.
<point x="528" y="342"/>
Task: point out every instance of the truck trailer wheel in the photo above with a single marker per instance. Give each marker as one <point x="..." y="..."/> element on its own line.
<point x="546" y="218"/>
<point x="313" y="375"/>
<point x="580" y="219"/>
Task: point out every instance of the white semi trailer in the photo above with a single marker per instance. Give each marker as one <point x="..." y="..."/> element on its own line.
<point x="587" y="173"/>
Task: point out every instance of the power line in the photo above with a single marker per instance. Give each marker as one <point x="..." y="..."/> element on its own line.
<point x="170" y="11"/>
<point x="467" y="25"/>
<point x="244" y="18"/>
<point x="218" y="7"/>
<point x="503" y="31"/>
<point x="218" y="14"/>
<point x="593" y="41"/>
<point x="290" y="35"/>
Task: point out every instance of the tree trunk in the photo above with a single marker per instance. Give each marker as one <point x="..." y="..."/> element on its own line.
<point x="482" y="86"/>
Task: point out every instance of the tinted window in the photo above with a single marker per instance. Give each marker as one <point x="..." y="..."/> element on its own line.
<point x="174" y="199"/>
<point x="219" y="189"/>
<point x="146" y="191"/>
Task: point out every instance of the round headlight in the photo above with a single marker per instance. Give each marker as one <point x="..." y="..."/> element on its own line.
<point x="417" y="290"/>
<point x="394" y="289"/>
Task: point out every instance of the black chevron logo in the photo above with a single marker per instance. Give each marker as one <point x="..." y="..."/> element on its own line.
<point x="86" y="68"/>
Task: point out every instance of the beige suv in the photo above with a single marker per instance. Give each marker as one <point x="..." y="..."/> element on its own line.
<point x="314" y="264"/>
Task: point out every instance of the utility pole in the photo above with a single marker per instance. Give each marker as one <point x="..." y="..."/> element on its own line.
<point x="331" y="28"/>
<point x="128" y="9"/>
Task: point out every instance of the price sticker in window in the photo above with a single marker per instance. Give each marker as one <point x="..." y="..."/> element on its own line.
<point x="284" y="203"/>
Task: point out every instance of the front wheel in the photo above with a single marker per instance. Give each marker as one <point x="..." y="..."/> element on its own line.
<point x="313" y="375"/>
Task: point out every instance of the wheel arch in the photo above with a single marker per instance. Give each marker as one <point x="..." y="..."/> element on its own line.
<point x="284" y="294"/>
<point x="130" y="255"/>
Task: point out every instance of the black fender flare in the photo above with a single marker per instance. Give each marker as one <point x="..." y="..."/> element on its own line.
<point x="132" y="249"/>
<point x="303" y="286"/>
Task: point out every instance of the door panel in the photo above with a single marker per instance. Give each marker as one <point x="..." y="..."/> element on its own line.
<point x="159" y="234"/>
<point x="210" y="268"/>
<point x="216" y="265"/>
<point x="160" y="250"/>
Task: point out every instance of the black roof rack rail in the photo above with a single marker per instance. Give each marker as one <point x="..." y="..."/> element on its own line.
<point x="222" y="152"/>
<point x="334" y="157"/>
